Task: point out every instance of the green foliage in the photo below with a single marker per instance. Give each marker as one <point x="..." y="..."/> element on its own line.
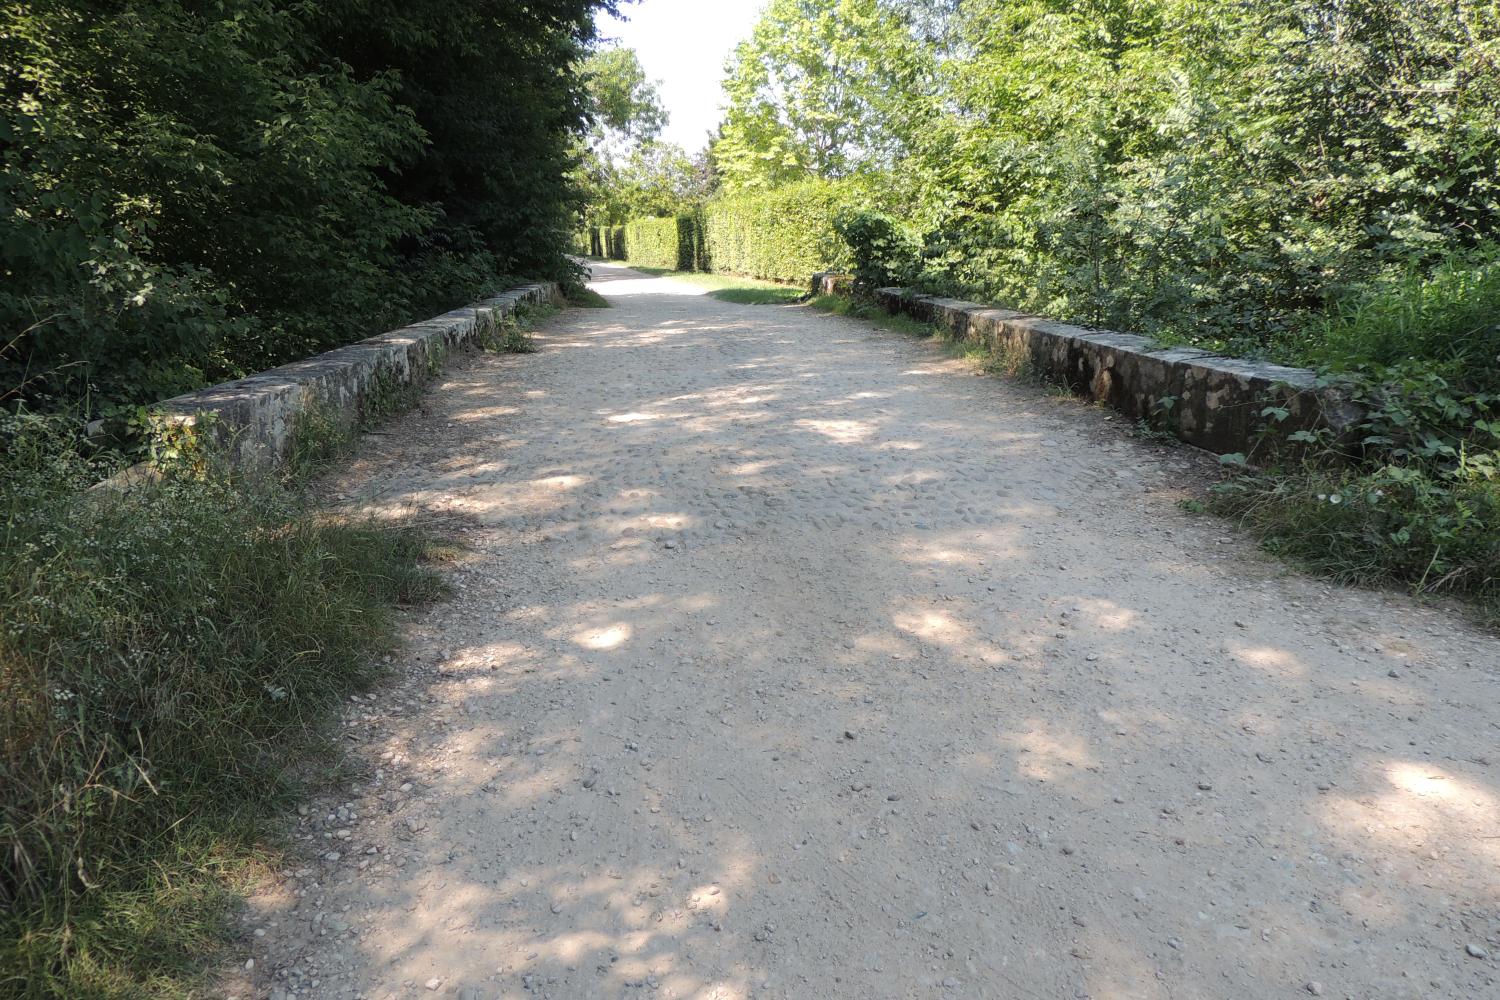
<point x="512" y="334"/>
<point x="1448" y="316"/>
<point x="732" y="287"/>
<point x="580" y="296"/>
<point x="167" y="654"/>
<point x="758" y="295"/>
<point x="782" y="235"/>
<point x="819" y="91"/>
<point x="1433" y="531"/>
<point x="1207" y="173"/>
<point x="1211" y="173"/>
<point x="1411" y="492"/>
<point x="189" y="192"/>
<point x="883" y="254"/>
<point x="843" y="305"/>
<point x="626" y="105"/>
<point x="625" y="172"/>
<point x="676" y="244"/>
<point x="611" y="242"/>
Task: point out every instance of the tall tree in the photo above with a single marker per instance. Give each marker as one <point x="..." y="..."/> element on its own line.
<point x="189" y="191"/>
<point x="819" y="90"/>
<point x="625" y="106"/>
<point x="625" y="117"/>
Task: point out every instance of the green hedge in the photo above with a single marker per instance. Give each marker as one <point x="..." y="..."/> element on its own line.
<point x="608" y="242"/>
<point x="676" y="243"/>
<point x="781" y="235"/>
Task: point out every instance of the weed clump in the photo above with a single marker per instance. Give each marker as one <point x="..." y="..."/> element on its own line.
<point x="1410" y="493"/>
<point x="168" y="652"/>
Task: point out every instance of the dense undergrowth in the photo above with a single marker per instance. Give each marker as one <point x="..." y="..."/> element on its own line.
<point x="194" y="192"/>
<point x="170" y="656"/>
<point x="168" y="660"/>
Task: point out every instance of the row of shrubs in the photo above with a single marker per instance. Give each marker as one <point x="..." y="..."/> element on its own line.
<point x="781" y="235"/>
<point x="674" y="243"/>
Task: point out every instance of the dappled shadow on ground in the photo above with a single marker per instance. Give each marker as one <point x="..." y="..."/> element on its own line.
<point x="791" y="660"/>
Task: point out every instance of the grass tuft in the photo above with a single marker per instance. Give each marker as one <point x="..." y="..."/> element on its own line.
<point x="843" y="305"/>
<point x="580" y="296"/>
<point x="1433" y="533"/>
<point x="167" y="655"/>
<point x="757" y="296"/>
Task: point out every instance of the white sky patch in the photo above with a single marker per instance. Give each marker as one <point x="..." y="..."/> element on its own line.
<point x="684" y="44"/>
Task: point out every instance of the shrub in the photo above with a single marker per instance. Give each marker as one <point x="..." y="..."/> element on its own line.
<point x="1432" y="530"/>
<point x="167" y="654"/>
<point x="883" y="254"/>
<point x="781" y="235"/>
<point x="675" y="243"/>
<point x="1449" y="315"/>
<point x="1411" y="493"/>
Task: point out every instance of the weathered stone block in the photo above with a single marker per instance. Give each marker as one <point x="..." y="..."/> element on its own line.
<point x="1207" y="400"/>
<point x="253" y="419"/>
<point x="832" y="283"/>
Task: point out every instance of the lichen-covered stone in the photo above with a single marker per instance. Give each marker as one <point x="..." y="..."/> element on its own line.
<point x="250" y="421"/>
<point x="1214" y="402"/>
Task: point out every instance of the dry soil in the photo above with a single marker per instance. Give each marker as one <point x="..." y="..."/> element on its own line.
<point x="790" y="657"/>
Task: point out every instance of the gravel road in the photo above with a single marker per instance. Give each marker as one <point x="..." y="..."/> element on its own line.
<point x="791" y="658"/>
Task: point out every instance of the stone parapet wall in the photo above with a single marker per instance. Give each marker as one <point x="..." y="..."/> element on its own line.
<point x="251" y="421"/>
<point x="1208" y="400"/>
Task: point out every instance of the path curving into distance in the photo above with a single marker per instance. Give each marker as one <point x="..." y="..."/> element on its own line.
<point x="789" y="658"/>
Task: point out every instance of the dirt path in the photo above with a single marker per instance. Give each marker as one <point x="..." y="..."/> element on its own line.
<point x="791" y="659"/>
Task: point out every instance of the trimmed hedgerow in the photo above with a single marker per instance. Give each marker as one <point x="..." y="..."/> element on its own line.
<point x="782" y="235"/>
<point x="676" y="243"/>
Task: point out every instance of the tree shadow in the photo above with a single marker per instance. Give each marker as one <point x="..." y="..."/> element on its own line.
<point x="791" y="660"/>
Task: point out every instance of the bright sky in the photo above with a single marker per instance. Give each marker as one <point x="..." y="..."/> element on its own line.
<point x="684" y="44"/>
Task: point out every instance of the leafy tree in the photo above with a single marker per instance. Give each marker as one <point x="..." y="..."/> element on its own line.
<point x="624" y="103"/>
<point x="624" y="173"/>
<point x="192" y="191"/>
<point x="1212" y="171"/>
<point x="499" y="89"/>
<point x="818" y="91"/>
<point x="658" y="179"/>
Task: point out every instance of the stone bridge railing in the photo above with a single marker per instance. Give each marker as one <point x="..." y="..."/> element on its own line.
<point x="251" y="421"/>
<point x="1214" y="402"/>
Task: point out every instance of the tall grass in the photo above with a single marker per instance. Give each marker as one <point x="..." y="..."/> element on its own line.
<point x="1411" y="492"/>
<point x="168" y="658"/>
<point x="1447" y="316"/>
